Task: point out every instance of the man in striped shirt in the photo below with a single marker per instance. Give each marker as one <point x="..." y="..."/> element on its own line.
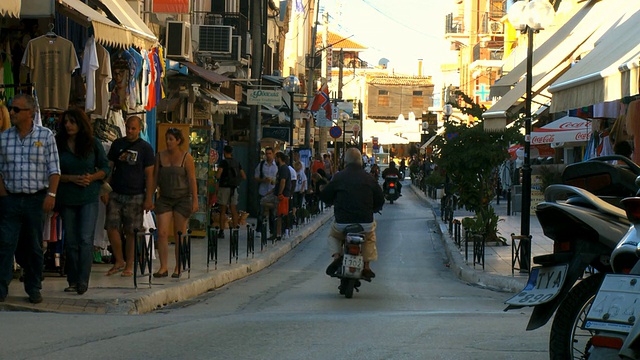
<point x="30" y="172"/>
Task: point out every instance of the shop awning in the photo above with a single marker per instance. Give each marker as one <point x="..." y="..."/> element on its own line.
<point x="142" y="36"/>
<point x="10" y="8"/>
<point x="598" y="77"/>
<point x="566" y="129"/>
<point x="224" y="104"/>
<point x="105" y="31"/>
<point x="550" y="59"/>
<point x="208" y="75"/>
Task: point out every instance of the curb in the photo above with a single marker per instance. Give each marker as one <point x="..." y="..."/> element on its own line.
<point x="195" y="287"/>
<point x="460" y="267"/>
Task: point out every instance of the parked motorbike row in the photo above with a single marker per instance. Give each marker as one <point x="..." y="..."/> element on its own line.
<point x="591" y="280"/>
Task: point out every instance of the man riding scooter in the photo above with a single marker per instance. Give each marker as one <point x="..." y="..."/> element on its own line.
<point x="391" y="170"/>
<point x="355" y="196"/>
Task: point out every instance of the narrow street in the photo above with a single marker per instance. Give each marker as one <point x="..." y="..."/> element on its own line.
<point x="415" y="308"/>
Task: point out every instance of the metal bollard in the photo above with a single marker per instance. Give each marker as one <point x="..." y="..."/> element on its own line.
<point x="142" y="254"/>
<point x="233" y="244"/>
<point x="184" y="252"/>
<point x="250" y="240"/>
<point x="212" y="246"/>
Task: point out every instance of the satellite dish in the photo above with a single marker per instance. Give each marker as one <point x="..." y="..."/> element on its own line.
<point x="383" y="62"/>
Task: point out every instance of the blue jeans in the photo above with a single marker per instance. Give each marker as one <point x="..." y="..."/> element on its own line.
<point x="21" y="219"/>
<point x="79" y="223"/>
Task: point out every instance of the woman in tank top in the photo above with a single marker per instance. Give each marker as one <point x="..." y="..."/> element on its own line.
<point x="177" y="196"/>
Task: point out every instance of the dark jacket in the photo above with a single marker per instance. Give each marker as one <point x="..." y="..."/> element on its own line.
<point x="355" y="195"/>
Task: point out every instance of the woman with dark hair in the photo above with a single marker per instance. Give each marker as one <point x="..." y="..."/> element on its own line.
<point x="175" y="178"/>
<point x="84" y="165"/>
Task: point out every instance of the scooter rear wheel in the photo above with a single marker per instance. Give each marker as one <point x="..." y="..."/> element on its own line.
<point x="348" y="288"/>
<point x="568" y="340"/>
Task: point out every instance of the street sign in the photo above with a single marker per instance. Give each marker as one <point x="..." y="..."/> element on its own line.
<point x="335" y="132"/>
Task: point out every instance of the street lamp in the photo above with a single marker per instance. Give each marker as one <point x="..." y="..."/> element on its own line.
<point x="291" y="84"/>
<point x="344" y="117"/>
<point x="528" y="17"/>
<point x="447" y="110"/>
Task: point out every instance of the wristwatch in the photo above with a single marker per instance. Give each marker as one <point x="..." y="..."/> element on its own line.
<point x="53" y="195"/>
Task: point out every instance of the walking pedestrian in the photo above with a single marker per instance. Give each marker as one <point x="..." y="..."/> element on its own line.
<point x="175" y="177"/>
<point x="30" y="168"/>
<point x="84" y="164"/>
<point x="229" y="175"/>
<point x="131" y="160"/>
<point x="265" y="175"/>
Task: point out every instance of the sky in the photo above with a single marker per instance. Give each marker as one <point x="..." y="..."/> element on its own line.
<point x="401" y="31"/>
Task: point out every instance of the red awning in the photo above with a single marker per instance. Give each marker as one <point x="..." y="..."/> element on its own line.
<point x="566" y="129"/>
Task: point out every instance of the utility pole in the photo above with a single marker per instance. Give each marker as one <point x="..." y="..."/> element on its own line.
<point x="323" y="130"/>
<point x="312" y="69"/>
<point x="258" y="33"/>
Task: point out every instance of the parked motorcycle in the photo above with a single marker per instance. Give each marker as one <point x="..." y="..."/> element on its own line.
<point x="390" y="188"/>
<point x="612" y="316"/>
<point x="585" y="229"/>
<point x="350" y="273"/>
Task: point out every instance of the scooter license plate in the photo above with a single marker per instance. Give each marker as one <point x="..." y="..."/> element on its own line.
<point x="543" y="285"/>
<point x="392" y="191"/>
<point x="354" y="261"/>
<point x="616" y="304"/>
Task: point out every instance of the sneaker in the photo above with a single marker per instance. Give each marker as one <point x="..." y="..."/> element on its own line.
<point x="35" y="298"/>
<point x="334" y="266"/>
<point x="71" y="288"/>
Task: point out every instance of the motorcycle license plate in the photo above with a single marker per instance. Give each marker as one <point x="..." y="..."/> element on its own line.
<point x="392" y="191"/>
<point x="616" y="304"/>
<point x="543" y="285"/>
<point x="353" y="261"/>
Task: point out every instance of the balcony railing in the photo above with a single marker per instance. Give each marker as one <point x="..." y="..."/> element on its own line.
<point x="452" y="25"/>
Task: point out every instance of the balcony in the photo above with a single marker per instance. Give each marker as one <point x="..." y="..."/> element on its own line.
<point x="453" y="25"/>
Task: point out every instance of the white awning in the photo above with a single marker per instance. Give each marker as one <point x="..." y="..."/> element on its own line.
<point x="142" y="36"/>
<point x="105" y="31"/>
<point x="550" y="59"/>
<point x="10" y="8"/>
<point x="566" y="129"/>
<point x="598" y="77"/>
<point x="224" y="103"/>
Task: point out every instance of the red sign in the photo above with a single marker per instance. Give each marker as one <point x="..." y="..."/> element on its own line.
<point x="171" y="6"/>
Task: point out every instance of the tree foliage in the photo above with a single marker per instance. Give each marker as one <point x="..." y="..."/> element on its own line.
<point x="470" y="157"/>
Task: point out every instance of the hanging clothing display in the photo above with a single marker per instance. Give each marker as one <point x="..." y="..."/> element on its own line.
<point x="103" y="78"/>
<point x="51" y="60"/>
<point x="90" y="65"/>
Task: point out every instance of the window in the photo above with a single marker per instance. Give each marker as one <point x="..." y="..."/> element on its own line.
<point x="383" y="98"/>
<point x="417" y="101"/>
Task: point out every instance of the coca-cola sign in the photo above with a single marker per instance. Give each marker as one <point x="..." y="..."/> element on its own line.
<point x="566" y="129"/>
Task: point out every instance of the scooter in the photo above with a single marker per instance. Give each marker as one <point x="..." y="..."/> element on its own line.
<point x="585" y="226"/>
<point x="390" y="188"/>
<point x="350" y="273"/>
<point x="612" y="316"/>
<point x="585" y="230"/>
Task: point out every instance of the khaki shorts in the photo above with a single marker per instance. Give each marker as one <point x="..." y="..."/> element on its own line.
<point x="225" y="198"/>
<point x="125" y="212"/>
<point x="181" y="205"/>
<point x="369" y="248"/>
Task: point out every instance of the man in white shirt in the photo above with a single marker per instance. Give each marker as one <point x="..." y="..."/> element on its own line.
<point x="265" y="175"/>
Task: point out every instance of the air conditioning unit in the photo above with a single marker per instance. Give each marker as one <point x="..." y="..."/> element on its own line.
<point x="213" y="39"/>
<point x="236" y="48"/>
<point x="496" y="27"/>
<point x="178" y="40"/>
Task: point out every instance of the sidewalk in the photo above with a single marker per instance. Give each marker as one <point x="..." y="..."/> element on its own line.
<point x="116" y="294"/>
<point x="497" y="271"/>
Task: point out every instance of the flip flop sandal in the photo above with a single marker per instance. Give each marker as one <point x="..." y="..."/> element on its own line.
<point x="114" y="270"/>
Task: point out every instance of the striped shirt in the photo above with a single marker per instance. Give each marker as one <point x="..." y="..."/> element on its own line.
<point x="26" y="164"/>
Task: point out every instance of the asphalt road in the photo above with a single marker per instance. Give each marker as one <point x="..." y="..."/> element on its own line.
<point x="414" y="309"/>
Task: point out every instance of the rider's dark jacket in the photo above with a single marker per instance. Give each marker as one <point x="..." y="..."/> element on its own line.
<point x="354" y="194"/>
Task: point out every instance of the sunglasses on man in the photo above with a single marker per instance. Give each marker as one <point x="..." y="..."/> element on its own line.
<point x="16" y="109"/>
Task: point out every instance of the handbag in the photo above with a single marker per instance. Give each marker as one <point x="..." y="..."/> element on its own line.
<point x="269" y="201"/>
